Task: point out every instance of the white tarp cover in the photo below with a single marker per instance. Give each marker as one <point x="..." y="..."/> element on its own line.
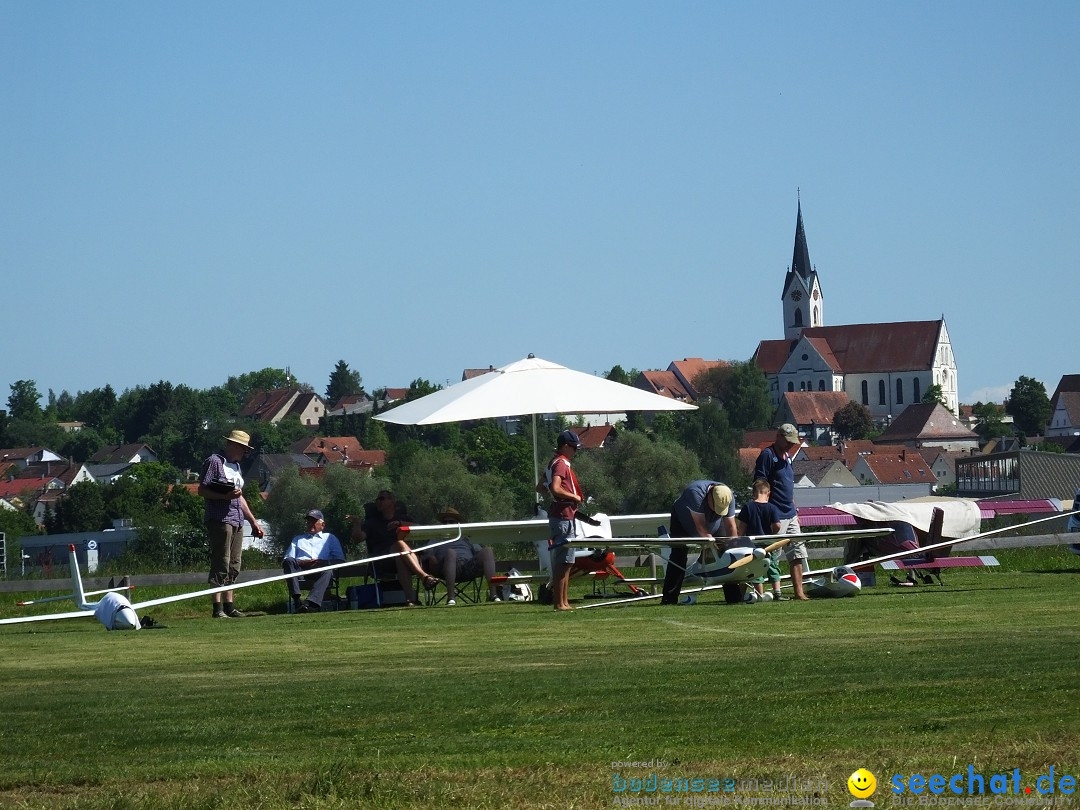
<point x="962" y="518"/>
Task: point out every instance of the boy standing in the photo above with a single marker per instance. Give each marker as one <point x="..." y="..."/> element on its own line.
<point x="758" y="517"/>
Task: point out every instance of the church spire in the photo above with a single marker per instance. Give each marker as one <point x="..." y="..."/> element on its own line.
<point x="800" y="259"/>
<point x="803" y="304"/>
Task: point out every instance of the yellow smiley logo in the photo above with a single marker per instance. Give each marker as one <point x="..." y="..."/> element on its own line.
<point x="862" y="784"/>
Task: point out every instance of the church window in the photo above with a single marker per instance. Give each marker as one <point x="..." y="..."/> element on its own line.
<point x="817" y="318"/>
<point x="865" y="393"/>
<point x="791" y="386"/>
<point x="915" y="395"/>
<point x="821" y="385"/>
<point x="899" y="392"/>
<point x="798" y="317"/>
<point x="881" y="392"/>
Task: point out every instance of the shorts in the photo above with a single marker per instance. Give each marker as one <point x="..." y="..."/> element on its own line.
<point x="561" y="551"/>
<point x="796" y="549"/>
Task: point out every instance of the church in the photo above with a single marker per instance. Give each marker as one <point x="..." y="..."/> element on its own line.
<point x="884" y="366"/>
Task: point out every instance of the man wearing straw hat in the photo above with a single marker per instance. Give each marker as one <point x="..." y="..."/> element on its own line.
<point x="222" y="488"/>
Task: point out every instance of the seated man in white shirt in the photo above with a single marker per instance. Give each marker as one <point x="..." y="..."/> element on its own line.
<point x="313" y="549"/>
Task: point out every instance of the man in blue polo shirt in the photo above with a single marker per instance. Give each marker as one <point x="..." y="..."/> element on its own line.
<point x="774" y="465"/>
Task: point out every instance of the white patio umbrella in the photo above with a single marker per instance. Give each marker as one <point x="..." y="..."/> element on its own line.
<point x="530" y="386"/>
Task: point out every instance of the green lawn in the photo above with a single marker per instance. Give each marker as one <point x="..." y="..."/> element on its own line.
<point x="511" y="705"/>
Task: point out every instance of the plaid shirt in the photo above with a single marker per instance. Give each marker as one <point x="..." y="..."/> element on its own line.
<point x="218" y="510"/>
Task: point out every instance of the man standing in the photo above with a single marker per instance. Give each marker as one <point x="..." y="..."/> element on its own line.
<point x="704" y="509"/>
<point x="222" y="487"/>
<point x="774" y="465"/>
<point x="566" y="497"/>
<point x="313" y="549"/>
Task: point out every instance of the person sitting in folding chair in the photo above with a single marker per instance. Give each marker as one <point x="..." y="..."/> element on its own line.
<point x="461" y="561"/>
<point x="379" y="530"/>
<point x="313" y="549"/>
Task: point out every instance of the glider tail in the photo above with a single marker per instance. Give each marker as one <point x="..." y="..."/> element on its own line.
<point x="76" y="581"/>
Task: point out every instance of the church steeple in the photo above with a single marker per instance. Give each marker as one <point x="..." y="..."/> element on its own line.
<point x="803" y="303"/>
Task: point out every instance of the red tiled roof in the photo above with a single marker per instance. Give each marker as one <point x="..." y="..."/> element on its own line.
<point x="22" y="486"/>
<point x="759" y="438"/>
<point x="912" y="468"/>
<point x="266" y="405"/>
<point x="396" y="393"/>
<point x="925" y="421"/>
<point x="471" y="373"/>
<point x="332" y="448"/>
<point x="664" y="383"/>
<point x="817" y="407"/>
<point x="689" y="368"/>
<point x="861" y="348"/>
<point x="349" y="399"/>
<point x="852" y="451"/>
<point x="594" y="436"/>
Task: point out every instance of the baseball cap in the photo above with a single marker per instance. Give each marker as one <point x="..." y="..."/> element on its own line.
<point x="720" y="499"/>
<point x="789" y="432"/>
<point x="315" y="514"/>
<point x="570" y="438"/>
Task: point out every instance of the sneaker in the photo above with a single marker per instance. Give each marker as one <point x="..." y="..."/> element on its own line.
<point x="688" y="600"/>
<point x="779" y="597"/>
<point x="233" y="613"/>
<point x="220" y="614"/>
<point x="451" y="602"/>
<point x="494" y="599"/>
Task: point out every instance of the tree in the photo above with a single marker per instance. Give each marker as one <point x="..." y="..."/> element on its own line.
<point x="935" y="394"/>
<point x="636" y="474"/>
<point x="619" y="375"/>
<point x="24" y="401"/>
<point x="343" y="382"/>
<point x="82" y="509"/>
<point x="744" y="390"/>
<point x="853" y="421"/>
<point x="1029" y="406"/>
<point x="243" y="386"/>
<point x="990" y="424"/>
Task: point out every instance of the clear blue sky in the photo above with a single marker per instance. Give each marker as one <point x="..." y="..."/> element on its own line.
<point x="193" y="190"/>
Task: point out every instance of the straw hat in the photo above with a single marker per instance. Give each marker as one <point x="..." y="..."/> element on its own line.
<point x="239" y="437"/>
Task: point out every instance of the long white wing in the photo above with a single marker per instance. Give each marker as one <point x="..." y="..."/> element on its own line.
<point x="236" y="586"/>
<point x="748" y="540"/>
<point x="934" y="546"/>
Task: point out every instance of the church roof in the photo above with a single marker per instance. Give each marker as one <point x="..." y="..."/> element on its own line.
<point x="862" y="348"/>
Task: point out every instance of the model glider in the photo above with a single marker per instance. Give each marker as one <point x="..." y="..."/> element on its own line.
<point x="116" y="612"/>
<point x="842" y="578"/>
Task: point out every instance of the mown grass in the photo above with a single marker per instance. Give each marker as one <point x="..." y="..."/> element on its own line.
<point x="510" y="704"/>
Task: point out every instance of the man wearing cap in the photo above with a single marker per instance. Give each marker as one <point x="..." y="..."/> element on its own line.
<point x="704" y="509"/>
<point x="460" y="561"/>
<point x="312" y="549"/>
<point x="774" y="465"/>
<point x="221" y="486"/>
<point x="566" y="497"/>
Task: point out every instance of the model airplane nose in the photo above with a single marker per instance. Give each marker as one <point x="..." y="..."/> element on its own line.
<point x="125" y="619"/>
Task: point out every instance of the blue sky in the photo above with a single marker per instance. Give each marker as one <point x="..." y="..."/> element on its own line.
<point x="193" y="190"/>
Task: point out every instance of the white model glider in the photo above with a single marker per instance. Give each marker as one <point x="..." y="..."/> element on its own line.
<point x="844" y="573"/>
<point x="115" y="612"/>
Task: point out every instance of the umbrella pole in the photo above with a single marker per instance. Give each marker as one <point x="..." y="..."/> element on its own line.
<point x="536" y="460"/>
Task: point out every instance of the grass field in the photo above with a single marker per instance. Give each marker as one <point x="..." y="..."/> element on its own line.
<point x="511" y="705"/>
